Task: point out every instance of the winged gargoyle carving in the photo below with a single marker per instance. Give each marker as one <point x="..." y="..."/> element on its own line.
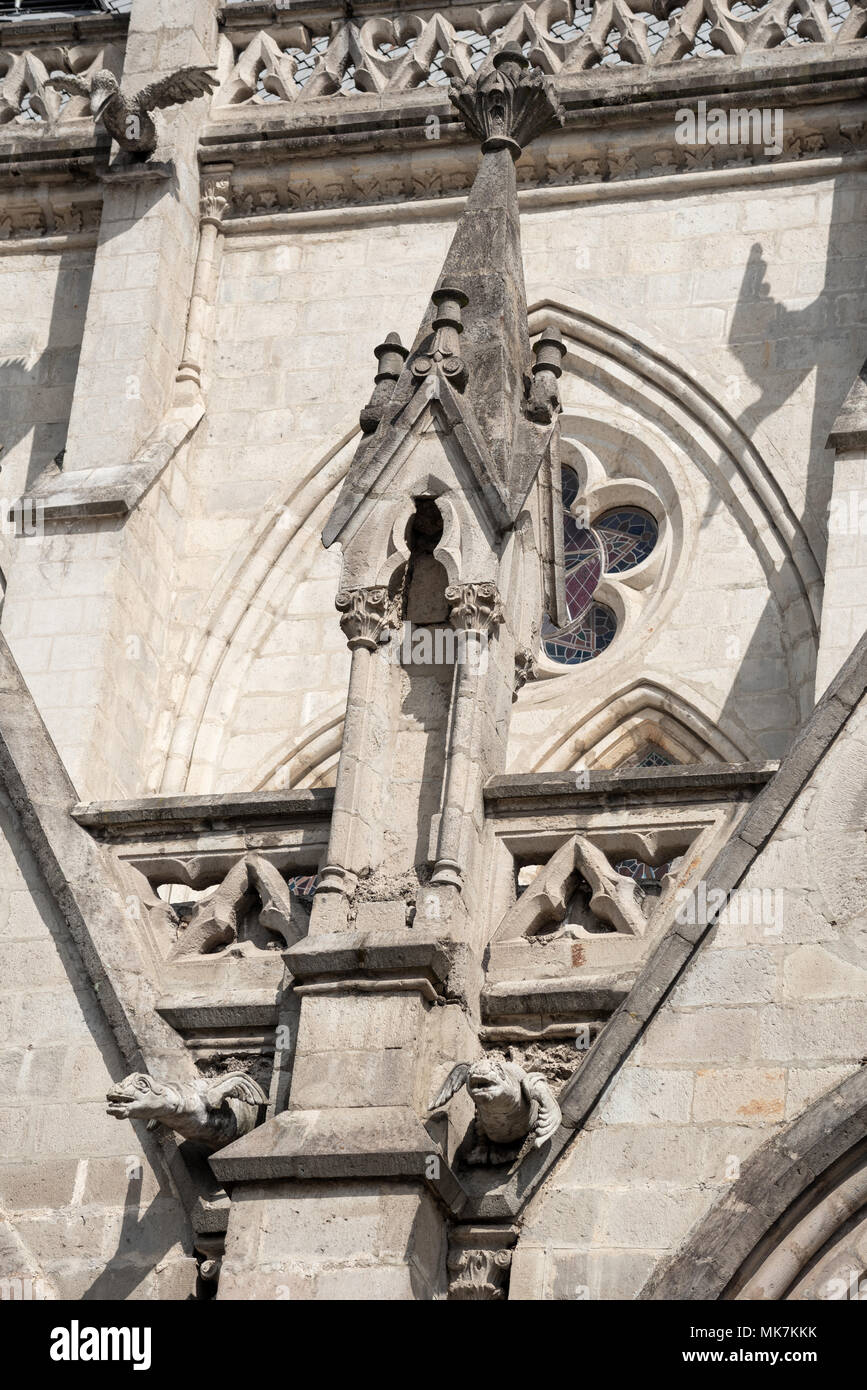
<point x="217" y="919"/>
<point x="515" y="1109"/>
<point x="211" y="1111"/>
<point x="614" y="899"/>
<point x="128" y="119"/>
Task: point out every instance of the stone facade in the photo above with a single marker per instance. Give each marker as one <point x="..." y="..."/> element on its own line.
<point x="316" y="419"/>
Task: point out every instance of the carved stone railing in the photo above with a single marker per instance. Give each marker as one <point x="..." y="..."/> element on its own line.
<point x="24" y="96"/>
<point x="318" y="58"/>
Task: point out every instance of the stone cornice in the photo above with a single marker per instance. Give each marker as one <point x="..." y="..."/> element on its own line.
<point x="62" y="29"/>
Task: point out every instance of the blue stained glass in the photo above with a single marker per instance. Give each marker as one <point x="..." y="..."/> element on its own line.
<point x="628" y="536"/>
<point x="641" y="872"/>
<point x="653" y="758"/>
<point x="617" y="542"/>
<point x="569" y="486"/>
<point x="580" y="640"/>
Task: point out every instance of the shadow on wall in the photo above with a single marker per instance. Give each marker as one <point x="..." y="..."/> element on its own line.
<point x="779" y="347"/>
<point x="143" y="1241"/>
<point x="36" y="389"/>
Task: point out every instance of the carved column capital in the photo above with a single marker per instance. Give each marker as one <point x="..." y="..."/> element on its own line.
<point x="367" y="613"/>
<point x="214" y="201"/>
<point x="479" y="1272"/>
<point x="474" y="607"/>
<point x="509" y="105"/>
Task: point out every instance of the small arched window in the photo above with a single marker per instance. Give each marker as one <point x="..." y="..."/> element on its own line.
<point x="616" y="542"/>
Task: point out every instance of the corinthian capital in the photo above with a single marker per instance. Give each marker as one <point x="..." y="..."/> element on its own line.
<point x="474" y="607"/>
<point x="366" y="615"/>
<point x="214" y="201"/>
<point x="508" y="106"/>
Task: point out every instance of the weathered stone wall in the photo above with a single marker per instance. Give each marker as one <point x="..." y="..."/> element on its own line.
<point x="770" y="1015"/>
<point x="89" y="1210"/>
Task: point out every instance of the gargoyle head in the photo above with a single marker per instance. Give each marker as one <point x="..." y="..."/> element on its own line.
<point x="103" y="87"/>
<point x="494" y="1082"/>
<point x="139" y="1097"/>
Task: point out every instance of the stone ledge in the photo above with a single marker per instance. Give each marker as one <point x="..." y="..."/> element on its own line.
<point x="84" y="493"/>
<point x="250" y="1009"/>
<point x="171" y="813"/>
<point x="316" y="1145"/>
<point x="336" y="954"/>
<point x="555" y="997"/>
<point x="525" y="791"/>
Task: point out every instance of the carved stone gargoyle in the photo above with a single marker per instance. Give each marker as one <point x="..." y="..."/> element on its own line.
<point x="212" y="1111"/>
<point x="128" y="119"/>
<point x="216" y="920"/>
<point x="515" y="1109"/>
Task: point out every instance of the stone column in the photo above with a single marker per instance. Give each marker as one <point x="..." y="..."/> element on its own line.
<point x="475" y="614"/>
<point x="366" y="616"/>
<point x="212" y="207"/>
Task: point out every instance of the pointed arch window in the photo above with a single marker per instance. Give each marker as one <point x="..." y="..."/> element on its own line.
<point x="615" y="543"/>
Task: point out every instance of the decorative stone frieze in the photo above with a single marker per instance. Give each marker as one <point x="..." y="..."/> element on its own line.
<point x="389" y="55"/>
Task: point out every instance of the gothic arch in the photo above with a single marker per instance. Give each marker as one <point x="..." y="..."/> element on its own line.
<point x="793" y="1222"/>
<point x="241" y="605"/>
<point x="738" y="469"/>
<point x="310" y="759"/>
<point x="647" y="705"/>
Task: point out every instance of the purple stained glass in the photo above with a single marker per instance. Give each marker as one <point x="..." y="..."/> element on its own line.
<point x="619" y="541"/>
<point x="628" y="536"/>
<point x="583" y="565"/>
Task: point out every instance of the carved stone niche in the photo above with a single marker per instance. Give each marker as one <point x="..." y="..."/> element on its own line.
<point x="479" y="1261"/>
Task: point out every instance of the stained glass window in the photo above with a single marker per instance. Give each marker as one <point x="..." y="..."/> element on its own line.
<point x="628" y="536"/>
<point x="303" y="885"/>
<point x="617" y="542"/>
<point x="653" y="757"/>
<point x="641" y="872"/>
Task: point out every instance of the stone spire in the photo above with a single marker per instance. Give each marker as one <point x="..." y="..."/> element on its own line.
<point x="474" y="335"/>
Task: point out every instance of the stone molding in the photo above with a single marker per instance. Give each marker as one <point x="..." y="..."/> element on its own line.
<point x="479" y="1262"/>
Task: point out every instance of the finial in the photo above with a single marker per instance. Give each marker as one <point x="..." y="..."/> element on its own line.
<point x="509" y="104"/>
<point x="544" y="399"/>
<point x="448" y="326"/>
<point x="390" y="356"/>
